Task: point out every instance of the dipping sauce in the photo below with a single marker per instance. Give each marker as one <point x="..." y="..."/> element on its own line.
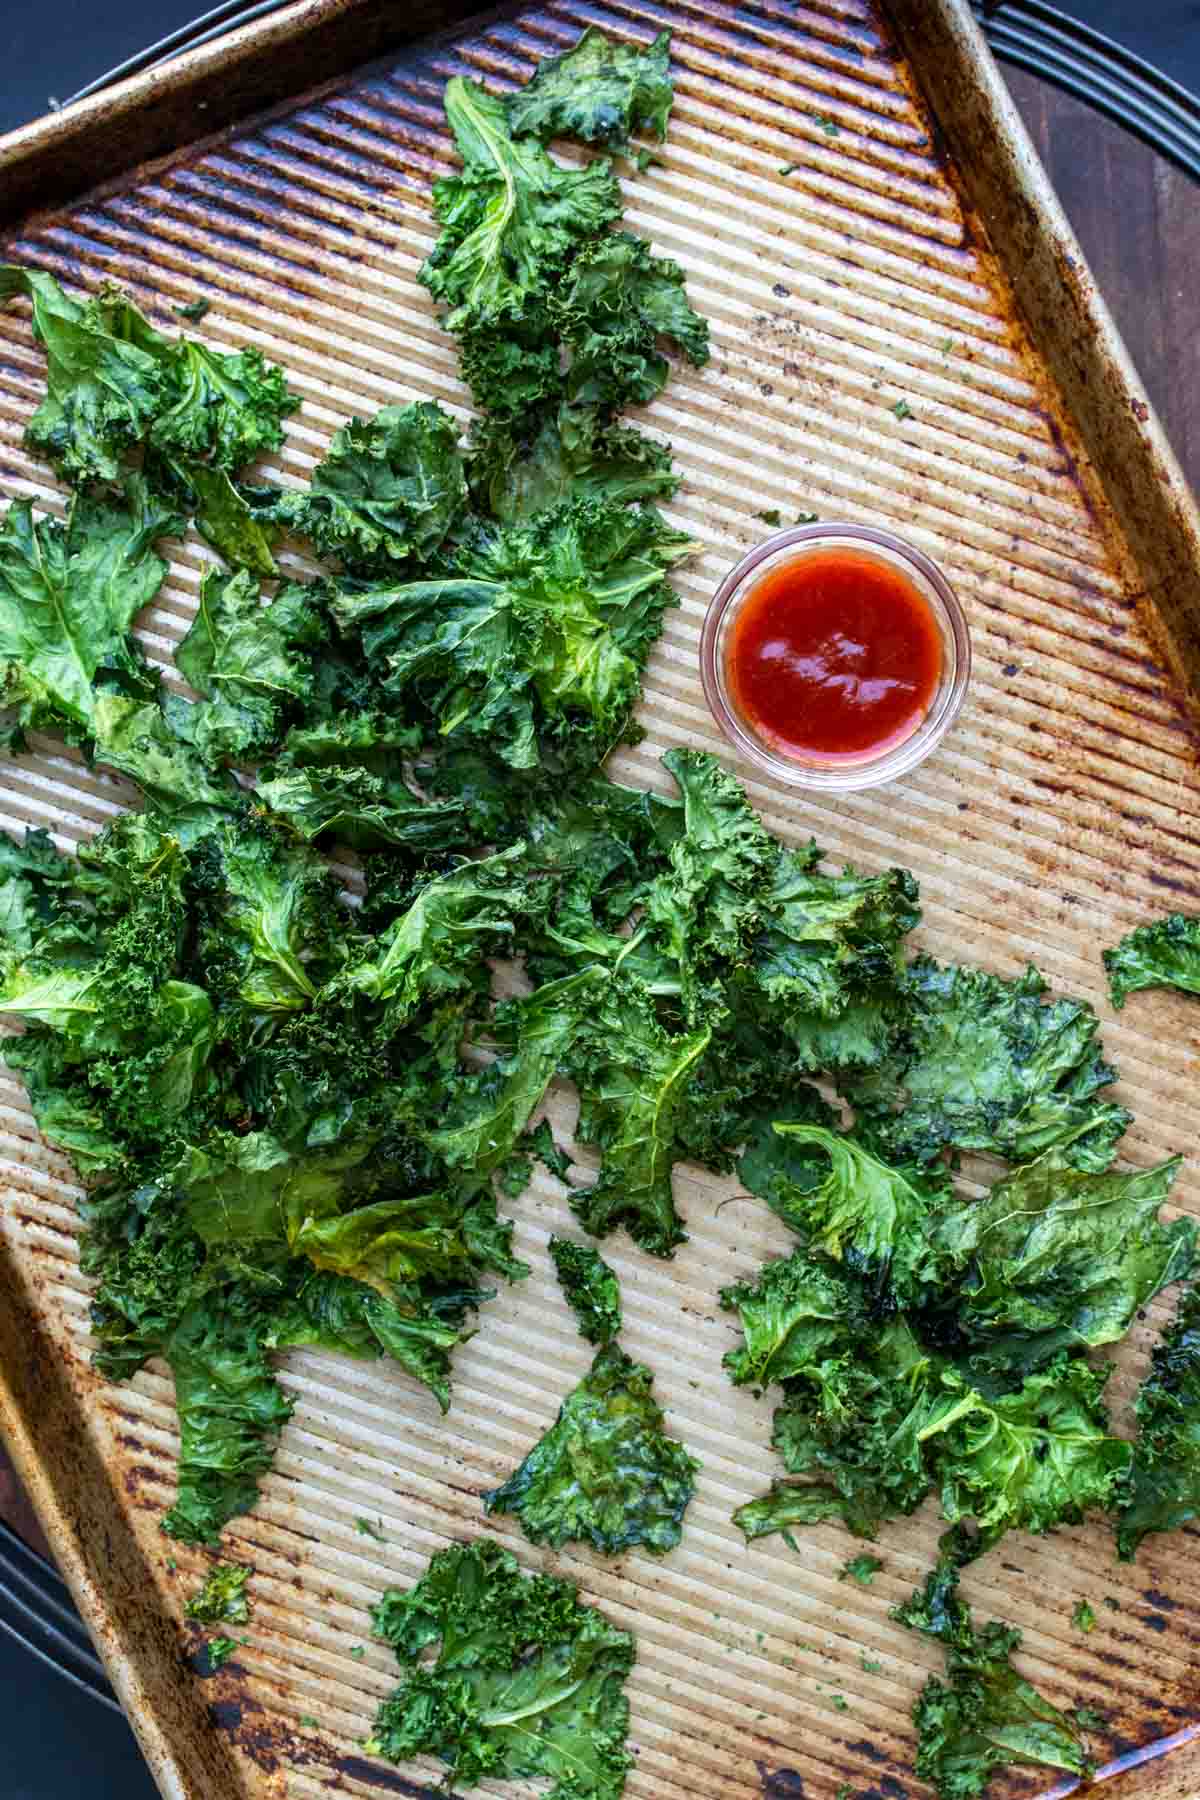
<point x="834" y="654"/>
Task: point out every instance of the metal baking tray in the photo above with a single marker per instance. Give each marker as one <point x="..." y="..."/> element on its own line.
<point x="916" y="254"/>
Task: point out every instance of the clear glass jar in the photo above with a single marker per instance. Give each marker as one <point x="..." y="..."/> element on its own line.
<point x="868" y="768"/>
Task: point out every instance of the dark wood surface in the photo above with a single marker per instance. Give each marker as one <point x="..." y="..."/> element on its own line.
<point x="1138" y="219"/>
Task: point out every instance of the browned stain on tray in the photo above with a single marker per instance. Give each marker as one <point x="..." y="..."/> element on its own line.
<point x="1062" y="810"/>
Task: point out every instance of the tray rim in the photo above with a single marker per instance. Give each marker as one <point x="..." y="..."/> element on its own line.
<point x="230" y="80"/>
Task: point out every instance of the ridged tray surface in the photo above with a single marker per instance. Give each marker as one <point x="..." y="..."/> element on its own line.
<point x="1061" y="812"/>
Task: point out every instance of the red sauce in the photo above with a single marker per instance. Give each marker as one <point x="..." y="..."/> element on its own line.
<point x="834" y="654"/>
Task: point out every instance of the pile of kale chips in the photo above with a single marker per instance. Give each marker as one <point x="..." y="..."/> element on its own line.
<point x="297" y="1117"/>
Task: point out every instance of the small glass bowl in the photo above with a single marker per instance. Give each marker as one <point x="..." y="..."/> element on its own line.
<point x="836" y="774"/>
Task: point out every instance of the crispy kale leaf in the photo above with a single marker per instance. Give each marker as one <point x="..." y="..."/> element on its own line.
<point x="858" y="1211"/>
<point x="118" y="1042"/>
<point x="436" y="947"/>
<point x="1163" y="954"/>
<point x="342" y="804"/>
<point x="706" y="905"/>
<point x="851" y="1423"/>
<point x="220" y="1649"/>
<point x="250" y="660"/>
<point x="1028" y="1460"/>
<point x="1162" y="1491"/>
<point x="987" y="1064"/>
<point x="487" y="1112"/>
<point x="1056" y="1258"/>
<point x="633" y="1079"/>
<point x="35" y="888"/>
<point x="798" y="1311"/>
<point x="243" y="532"/>
<point x="615" y="307"/>
<point x="599" y="91"/>
<point x="114" y="382"/>
<point x="390" y="490"/>
<point x="231" y="1411"/>
<point x="104" y="388"/>
<point x="984" y="1716"/>
<point x="417" y="1327"/>
<point x="270" y="922"/>
<point x="591" y="1288"/>
<point x="69" y="593"/>
<point x="875" y="1414"/>
<point x="526" y="1681"/>
<point x="533" y="649"/>
<point x="222" y="1595"/>
<point x="605" y="1473"/>
<point x="518" y="468"/>
<point x="68" y="596"/>
<point x="510" y="221"/>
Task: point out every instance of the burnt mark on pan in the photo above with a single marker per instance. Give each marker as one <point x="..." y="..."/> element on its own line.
<point x="378" y="1775"/>
<point x="270" y="1743"/>
<point x="780" y="1784"/>
<point x="864" y="1747"/>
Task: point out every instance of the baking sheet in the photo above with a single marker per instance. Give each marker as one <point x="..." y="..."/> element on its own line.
<point x="1060" y="812"/>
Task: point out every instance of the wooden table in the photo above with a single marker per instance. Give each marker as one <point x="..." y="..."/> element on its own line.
<point x="1138" y="218"/>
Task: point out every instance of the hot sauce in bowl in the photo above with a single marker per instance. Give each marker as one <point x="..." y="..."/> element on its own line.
<point x="835" y="656"/>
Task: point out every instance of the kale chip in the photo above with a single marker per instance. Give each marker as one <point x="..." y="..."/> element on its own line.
<point x="526" y="1681"/>
<point x="606" y="1473"/>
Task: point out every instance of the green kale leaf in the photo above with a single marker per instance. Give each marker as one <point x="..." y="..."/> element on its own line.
<point x="1163" y="954"/>
<point x="223" y="408"/>
<point x="795" y="1314"/>
<point x="858" y="1211"/>
<point x="852" y="1423"/>
<point x="1035" y="1073"/>
<point x="114" y="382"/>
<point x="1028" y="1460"/>
<point x="69" y="593"/>
<point x="231" y="1411"/>
<point x="984" y="1716"/>
<point x="536" y="649"/>
<point x="416" y="1329"/>
<point x="863" y="1569"/>
<point x="104" y="388"/>
<point x="706" y="905"/>
<point x="488" y="1112"/>
<point x="390" y="490"/>
<point x="270" y="921"/>
<point x="221" y="1596"/>
<point x="527" y="1681"/>
<point x="346" y="805"/>
<point x="633" y="1082"/>
<point x="510" y="221"/>
<point x="243" y="533"/>
<point x="36" y="880"/>
<point x="251" y="661"/>
<point x="435" y="948"/>
<point x="220" y="1649"/>
<point x="605" y="1473"/>
<point x="1057" y="1258"/>
<point x="591" y="1289"/>
<point x="614" y="309"/>
<point x="1162" y="1491"/>
<point x="518" y="470"/>
<point x="118" y="1044"/>
<point x="599" y="91"/>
